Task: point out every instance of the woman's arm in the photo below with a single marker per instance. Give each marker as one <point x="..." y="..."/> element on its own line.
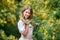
<point x="26" y="28"/>
<point x="26" y="31"/>
<point x="23" y="29"/>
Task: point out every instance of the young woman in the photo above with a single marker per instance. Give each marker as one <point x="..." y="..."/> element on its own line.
<point x="25" y="25"/>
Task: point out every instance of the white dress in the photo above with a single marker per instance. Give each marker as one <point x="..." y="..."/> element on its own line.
<point x="21" y="28"/>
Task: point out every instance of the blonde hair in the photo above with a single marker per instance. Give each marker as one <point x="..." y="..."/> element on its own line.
<point x="25" y="8"/>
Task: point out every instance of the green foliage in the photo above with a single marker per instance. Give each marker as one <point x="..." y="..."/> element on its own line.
<point x="4" y="37"/>
<point x="45" y="12"/>
<point x="8" y="19"/>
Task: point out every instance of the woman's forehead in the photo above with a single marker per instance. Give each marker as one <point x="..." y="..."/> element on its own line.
<point x="27" y="10"/>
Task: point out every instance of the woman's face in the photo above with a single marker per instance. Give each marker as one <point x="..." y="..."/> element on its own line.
<point x="26" y="13"/>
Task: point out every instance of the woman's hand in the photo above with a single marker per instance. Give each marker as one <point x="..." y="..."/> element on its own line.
<point x="24" y="21"/>
<point x="26" y="31"/>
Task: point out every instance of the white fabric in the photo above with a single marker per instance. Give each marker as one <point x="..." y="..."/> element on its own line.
<point x="21" y="28"/>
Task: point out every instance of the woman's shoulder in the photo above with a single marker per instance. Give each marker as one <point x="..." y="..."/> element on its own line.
<point x="20" y="21"/>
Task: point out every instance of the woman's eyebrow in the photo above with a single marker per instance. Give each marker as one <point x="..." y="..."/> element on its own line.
<point x="28" y="11"/>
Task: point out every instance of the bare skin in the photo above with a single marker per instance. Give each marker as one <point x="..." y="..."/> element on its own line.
<point x="26" y="31"/>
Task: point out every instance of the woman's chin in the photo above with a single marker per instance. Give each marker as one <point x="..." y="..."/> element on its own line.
<point x="26" y="17"/>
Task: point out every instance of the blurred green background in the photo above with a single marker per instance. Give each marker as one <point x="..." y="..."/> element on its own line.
<point x="45" y="12"/>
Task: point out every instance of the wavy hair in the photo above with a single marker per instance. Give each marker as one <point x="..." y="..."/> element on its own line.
<point x="25" y="8"/>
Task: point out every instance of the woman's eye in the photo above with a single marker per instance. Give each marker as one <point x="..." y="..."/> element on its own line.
<point x="26" y="12"/>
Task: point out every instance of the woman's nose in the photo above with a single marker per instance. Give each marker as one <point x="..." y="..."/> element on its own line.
<point x="28" y="14"/>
